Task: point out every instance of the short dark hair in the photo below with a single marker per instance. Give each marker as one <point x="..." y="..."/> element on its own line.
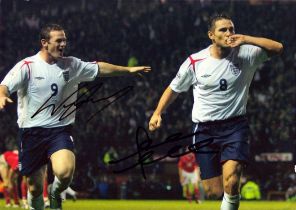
<point x="45" y="30"/>
<point x="213" y="19"/>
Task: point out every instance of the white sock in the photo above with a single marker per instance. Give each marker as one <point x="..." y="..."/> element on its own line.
<point x="63" y="195"/>
<point x="70" y="191"/>
<point x="57" y="187"/>
<point x="230" y="202"/>
<point x="35" y="203"/>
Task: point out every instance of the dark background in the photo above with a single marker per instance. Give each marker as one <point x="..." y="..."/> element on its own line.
<point x="161" y="34"/>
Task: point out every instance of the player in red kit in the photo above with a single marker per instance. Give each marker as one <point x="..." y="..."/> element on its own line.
<point x="9" y="174"/>
<point x="189" y="175"/>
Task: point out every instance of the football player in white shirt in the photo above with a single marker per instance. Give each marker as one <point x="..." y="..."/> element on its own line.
<point x="220" y="75"/>
<point x="46" y="83"/>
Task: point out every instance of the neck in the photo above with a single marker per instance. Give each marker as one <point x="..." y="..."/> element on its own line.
<point x="47" y="57"/>
<point x="219" y="52"/>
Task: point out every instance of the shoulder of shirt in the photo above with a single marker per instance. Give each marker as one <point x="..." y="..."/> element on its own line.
<point x="248" y="46"/>
<point x="67" y="61"/>
<point x="242" y="50"/>
<point x="25" y="62"/>
<point x="70" y="58"/>
<point x="28" y="59"/>
<point x="202" y="54"/>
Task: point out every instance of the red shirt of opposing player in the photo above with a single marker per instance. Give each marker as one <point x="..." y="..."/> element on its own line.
<point x="187" y="162"/>
<point x="11" y="157"/>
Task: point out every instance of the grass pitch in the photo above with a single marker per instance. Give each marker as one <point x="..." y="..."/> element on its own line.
<point x="165" y="205"/>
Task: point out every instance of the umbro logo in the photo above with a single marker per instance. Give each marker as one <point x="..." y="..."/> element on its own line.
<point x="205" y="76"/>
<point x="39" y="78"/>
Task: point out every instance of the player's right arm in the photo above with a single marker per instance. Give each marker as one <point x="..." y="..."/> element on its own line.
<point x="4" y="97"/>
<point x="166" y="99"/>
<point x="181" y="178"/>
<point x="16" y="78"/>
<point x="180" y="171"/>
<point x="181" y="83"/>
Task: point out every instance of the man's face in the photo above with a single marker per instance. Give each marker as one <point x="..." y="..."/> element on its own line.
<point x="56" y="44"/>
<point x="222" y="31"/>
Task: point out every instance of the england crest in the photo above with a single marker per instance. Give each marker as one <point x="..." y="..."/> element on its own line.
<point x="235" y="70"/>
<point x="66" y="75"/>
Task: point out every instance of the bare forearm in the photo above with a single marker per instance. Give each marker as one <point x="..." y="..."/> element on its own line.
<point x="110" y="70"/>
<point x="107" y="69"/>
<point x="166" y="99"/>
<point x="271" y="46"/>
<point x="180" y="172"/>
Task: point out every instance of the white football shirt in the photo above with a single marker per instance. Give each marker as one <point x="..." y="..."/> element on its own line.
<point x="220" y="86"/>
<point x="39" y="84"/>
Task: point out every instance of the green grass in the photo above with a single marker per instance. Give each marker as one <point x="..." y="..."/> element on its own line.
<point x="165" y="205"/>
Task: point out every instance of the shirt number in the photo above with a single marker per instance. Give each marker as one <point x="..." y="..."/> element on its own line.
<point x="55" y="89"/>
<point x="223" y="84"/>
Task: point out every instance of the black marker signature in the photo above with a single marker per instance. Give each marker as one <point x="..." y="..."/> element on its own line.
<point x="87" y="97"/>
<point x="145" y="151"/>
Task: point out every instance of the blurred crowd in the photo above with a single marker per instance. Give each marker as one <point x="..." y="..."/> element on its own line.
<point x="160" y="33"/>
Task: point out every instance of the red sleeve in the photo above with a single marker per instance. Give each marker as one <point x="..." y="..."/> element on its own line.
<point x="12" y="159"/>
<point x="180" y="163"/>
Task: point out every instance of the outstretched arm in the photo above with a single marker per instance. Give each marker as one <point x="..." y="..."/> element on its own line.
<point x="166" y="99"/>
<point x="109" y="70"/>
<point x="4" y="97"/>
<point x="272" y="47"/>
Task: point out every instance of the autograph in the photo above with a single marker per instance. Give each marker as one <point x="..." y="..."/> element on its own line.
<point x="145" y="151"/>
<point x="87" y="97"/>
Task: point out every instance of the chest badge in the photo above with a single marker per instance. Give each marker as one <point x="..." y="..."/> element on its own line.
<point x="235" y="70"/>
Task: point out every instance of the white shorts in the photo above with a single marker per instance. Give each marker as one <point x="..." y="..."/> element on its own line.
<point x="189" y="178"/>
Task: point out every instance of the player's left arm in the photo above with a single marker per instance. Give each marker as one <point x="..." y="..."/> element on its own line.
<point x="270" y="46"/>
<point x="110" y="70"/>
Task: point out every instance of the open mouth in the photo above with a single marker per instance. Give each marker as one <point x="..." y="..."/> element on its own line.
<point x="61" y="51"/>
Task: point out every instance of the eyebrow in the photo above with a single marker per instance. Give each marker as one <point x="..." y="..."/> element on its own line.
<point x="225" y="28"/>
<point x="61" y="39"/>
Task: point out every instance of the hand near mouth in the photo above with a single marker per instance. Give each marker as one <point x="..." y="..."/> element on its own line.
<point x="236" y="40"/>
